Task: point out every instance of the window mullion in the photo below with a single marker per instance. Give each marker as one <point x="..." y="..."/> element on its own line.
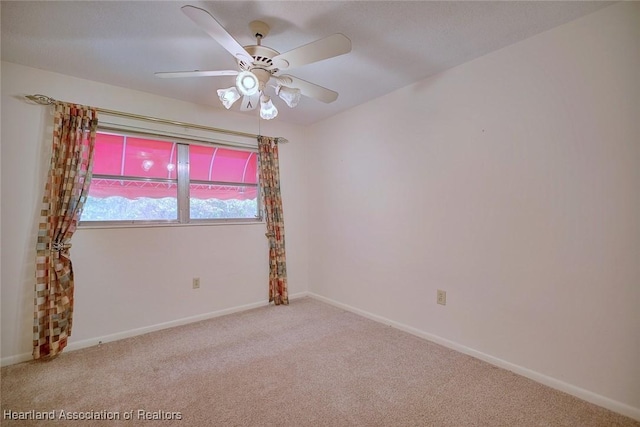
<point x="183" y="184"/>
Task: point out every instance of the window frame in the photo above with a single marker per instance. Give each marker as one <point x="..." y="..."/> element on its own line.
<point x="182" y="141"/>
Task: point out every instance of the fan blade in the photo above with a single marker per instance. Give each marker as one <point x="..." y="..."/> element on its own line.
<point x="308" y="89"/>
<point x="328" y="47"/>
<point x="196" y="73"/>
<point x="208" y="23"/>
<point x="250" y="102"/>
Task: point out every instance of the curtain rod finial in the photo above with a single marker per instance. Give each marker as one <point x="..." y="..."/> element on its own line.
<point x="41" y="99"/>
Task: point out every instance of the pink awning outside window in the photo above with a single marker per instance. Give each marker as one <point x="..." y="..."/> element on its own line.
<point x="117" y="155"/>
<point x="221" y="164"/>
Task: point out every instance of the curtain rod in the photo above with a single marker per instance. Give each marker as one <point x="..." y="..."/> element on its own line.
<point x="47" y="100"/>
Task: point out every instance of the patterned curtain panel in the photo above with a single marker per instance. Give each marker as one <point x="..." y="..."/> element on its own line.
<point x="272" y="202"/>
<point x="74" y="131"/>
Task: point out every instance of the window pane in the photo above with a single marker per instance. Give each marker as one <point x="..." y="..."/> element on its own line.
<point x="222" y="164"/>
<point x="108" y="155"/>
<point x="217" y="201"/>
<point x="129" y="156"/>
<point x="150" y="159"/>
<point x="123" y="200"/>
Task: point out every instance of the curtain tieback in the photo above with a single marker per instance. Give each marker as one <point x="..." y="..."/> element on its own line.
<point x="270" y="235"/>
<point x="59" y="246"/>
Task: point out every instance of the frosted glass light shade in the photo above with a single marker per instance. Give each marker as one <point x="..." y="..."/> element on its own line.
<point x="228" y="96"/>
<point x="247" y="83"/>
<point x="290" y="96"/>
<point x="268" y="111"/>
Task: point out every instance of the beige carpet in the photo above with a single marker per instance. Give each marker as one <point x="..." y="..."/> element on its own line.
<point x="308" y="364"/>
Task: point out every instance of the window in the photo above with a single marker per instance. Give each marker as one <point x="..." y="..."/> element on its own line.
<point x="143" y="180"/>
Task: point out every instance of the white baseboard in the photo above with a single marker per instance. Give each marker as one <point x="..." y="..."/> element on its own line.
<point x="12" y="360"/>
<point x="77" y="345"/>
<point x="581" y="393"/>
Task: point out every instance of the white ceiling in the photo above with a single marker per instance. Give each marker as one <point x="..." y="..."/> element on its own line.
<point x="395" y="43"/>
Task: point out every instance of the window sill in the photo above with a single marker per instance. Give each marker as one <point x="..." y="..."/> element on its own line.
<point x="195" y="223"/>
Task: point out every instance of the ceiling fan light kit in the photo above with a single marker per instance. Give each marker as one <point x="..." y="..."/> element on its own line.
<point x="247" y="83"/>
<point x="291" y="96"/>
<point x="228" y="96"/>
<point x="258" y="64"/>
<point x="268" y="111"/>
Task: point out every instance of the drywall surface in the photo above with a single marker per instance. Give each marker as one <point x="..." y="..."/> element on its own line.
<point x="512" y="183"/>
<point x="132" y="279"/>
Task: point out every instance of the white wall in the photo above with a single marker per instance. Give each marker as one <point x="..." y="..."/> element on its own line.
<point x="128" y="279"/>
<point x="511" y="182"/>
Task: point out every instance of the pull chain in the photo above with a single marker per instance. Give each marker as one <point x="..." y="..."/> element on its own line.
<point x="259" y="123"/>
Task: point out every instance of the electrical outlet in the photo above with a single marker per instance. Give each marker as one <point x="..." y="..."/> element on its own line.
<point x="196" y="283"/>
<point x="442" y="297"/>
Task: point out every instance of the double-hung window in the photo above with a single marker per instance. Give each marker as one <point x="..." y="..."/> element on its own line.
<point x="154" y="179"/>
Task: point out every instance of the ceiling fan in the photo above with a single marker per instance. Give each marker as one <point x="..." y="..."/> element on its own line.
<point x="258" y="65"/>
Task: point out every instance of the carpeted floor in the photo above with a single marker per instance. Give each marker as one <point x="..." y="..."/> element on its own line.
<point x="307" y="364"/>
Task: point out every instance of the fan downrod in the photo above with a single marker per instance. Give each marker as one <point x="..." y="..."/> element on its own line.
<point x="259" y="30"/>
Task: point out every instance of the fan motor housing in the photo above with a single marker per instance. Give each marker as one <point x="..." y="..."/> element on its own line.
<point x="261" y="58"/>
